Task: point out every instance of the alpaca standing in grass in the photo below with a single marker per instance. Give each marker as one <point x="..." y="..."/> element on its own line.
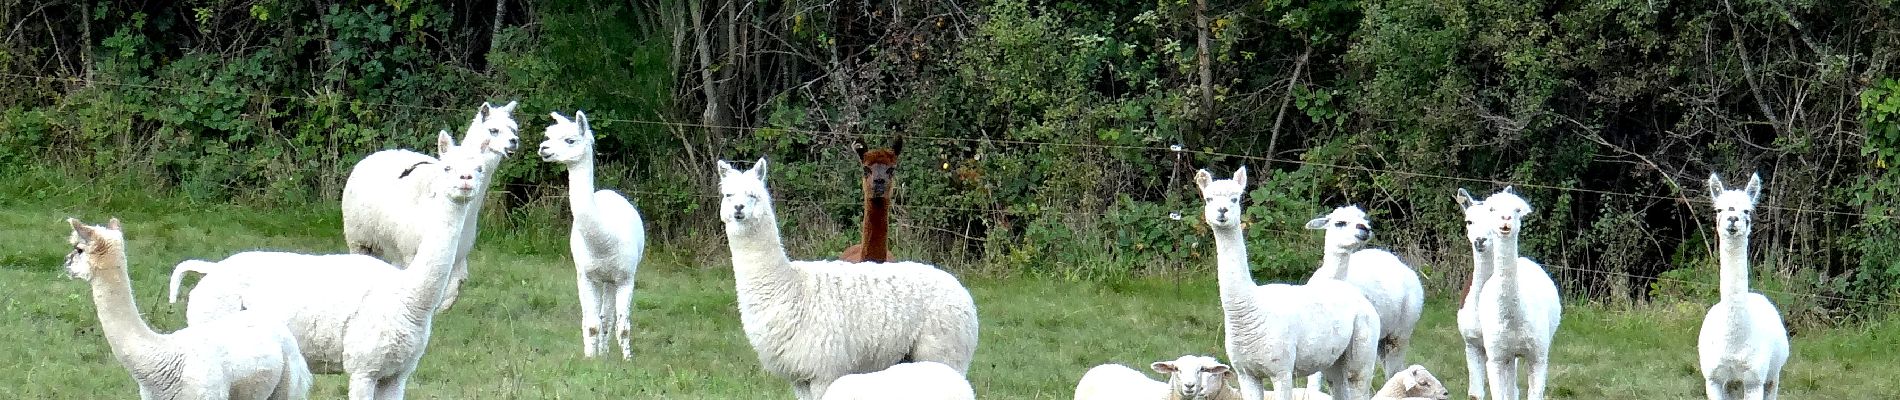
<point x="880" y="176"/>
<point x="814" y="321"/>
<point x="1743" y="344"/>
<point x="1518" y="308"/>
<point x="1276" y="332"/>
<point x="608" y="238"/>
<point x="1482" y="261"/>
<point x="244" y="356"/>
<point x="352" y="313"/>
<point x="385" y="189"/>
<point x="1391" y="286"/>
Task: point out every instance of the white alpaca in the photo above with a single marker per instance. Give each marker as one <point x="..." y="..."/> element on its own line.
<point x="1276" y="332"/>
<point x="246" y="356"/>
<point x="608" y="238"/>
<point x="1189" y="377"/>
<point x="923" y="380"/>
<point x="381" y="217"/>
<point x="814" y="321"/>
<point x="351" y="313"/>
<point x="1391" y="286"/>
<point x="1518" y="307"/>
<point x="1743" y="344"/>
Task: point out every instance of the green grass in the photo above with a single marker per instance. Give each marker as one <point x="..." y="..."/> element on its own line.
<point x="515" y="332"/>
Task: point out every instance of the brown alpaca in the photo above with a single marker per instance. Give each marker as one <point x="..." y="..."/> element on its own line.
<point x="880" y="174"/>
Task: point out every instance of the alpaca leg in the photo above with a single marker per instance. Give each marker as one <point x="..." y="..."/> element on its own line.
<point x="1754" y="393"/>
<point x="802" y="390"/>
<point x="1475" y="370"/>
<point x="1250" y="387"/>
<point x="391" y="387"/>
<point x="1283" y="385"/>
<point x="362" y="387"/>
<point x="1539" y="371"/>
<point x="1503" y="379"/>
<point x="590" y="317"/>
<point x="623" y="322"/>
<point x="1392" y="355"/>
<point x="1713" y="389"/>
<point x="456" y="277"/>
<point x="1771" y="389"/>
<point x="1313" y="381"/>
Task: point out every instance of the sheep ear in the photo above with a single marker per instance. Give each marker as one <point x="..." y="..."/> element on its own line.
<point x="1753" y="188"/>
<point x="113" y="224"/>
<point x="1202" y="178"/>
<point x="1165" y="367"/>
<point x="1715" y="186"/>
<point x="1219" y="369"/>
<point x="1464" y="199"/>
<point x="1316" y="223"/>
<point x="1240" y="176"/>
<point x="443" y="143"/>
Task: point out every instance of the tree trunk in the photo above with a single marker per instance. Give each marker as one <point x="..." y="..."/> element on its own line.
<point x="494" y="32"/>
<point x="715" y="115"/>
<point x="1207" y="71"/>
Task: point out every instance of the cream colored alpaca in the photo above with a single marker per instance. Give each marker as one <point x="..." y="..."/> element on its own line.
<point x="1518" y="308"/>
<point x="246" y="355"/>
<point x="607" y="239"/>
<point x="1743" y="344"/>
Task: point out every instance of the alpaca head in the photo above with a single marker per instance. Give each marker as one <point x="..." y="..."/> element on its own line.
<point x="1222" y="209"/>
<point x="1197" y="377"/>
<point x="570" y="141"/>
<point x="743" y="199"/>
<point x="498" y="123"/>
<point x="1346" y="228"/>
<point x="94" y="248"/>
<point x="1734" y="209"/>
<point x="1476" y="218"/>
<point x="1504" y="214"/>
<point x="463" y="167"/>
<point x="1416" y="382"/>
<point x="880" y="169"/>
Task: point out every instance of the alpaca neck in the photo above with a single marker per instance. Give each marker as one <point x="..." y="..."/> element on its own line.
<point x="119" y="316"/>
<point x="436" y="255"/>
<point x="759" y="264"/>
<point x="1506" y="272"/>
<point x="877" y="225"/>
<point x="1481" y="266"/>
<point x="1236" y="282"/>
<point x="1333" y="265"/>
<point x="580" y="195"/>
<point x="1734" y="259"/>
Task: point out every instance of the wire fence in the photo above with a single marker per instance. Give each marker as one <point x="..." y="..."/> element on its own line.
<point x="1177" y="149"/>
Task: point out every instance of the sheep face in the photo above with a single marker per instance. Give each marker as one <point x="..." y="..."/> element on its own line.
<point x="1476" y="217"/>
<point x="93" y="247"/>
<point x="1734" y="209"/>
<point x="743" y="198"/>
<point x="463" y="168"/>
<point x="1505" y="214"/>
<point x="570" y="141"/>
<point x="1195" y="377"/>
<point x="497" y="123"/>
<point x="1346" y="228"/>
<point x="1419" y="383"/>
<point x="1222" y="209"/>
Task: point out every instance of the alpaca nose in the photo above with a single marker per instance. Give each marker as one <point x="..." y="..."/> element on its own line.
<point x="1732" y="218"/>
<point x="1221" y="211"/>
<point x="738" y="208"/>
<point x="468" y="176"/>
<point x="1507" y="218"/>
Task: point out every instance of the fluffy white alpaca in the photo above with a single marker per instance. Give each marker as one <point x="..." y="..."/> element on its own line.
<point x="608" y="238"/>
<point x="814" y="321"/>
<point x="246" y="356"/>
<point x="1743" y="343"/>
<point x="1391" y="286"/>
<point x="1189" y="377"/>
<point x="385" y="189"/>
<point x="351" y="313"/>
<point x="923" y="380"/>
<point x="1276" y="332"/>
<point x="1518" y="307"/>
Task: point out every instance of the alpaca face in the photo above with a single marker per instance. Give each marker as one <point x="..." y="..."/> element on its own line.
<point x="880" y="171"/>
<point x="1476" y="218"/>
<point x="569" y="141"/>
<point x="1734" y="209"/>
<point x="1222" y="208"/>
<point x="1346" y="228"/>
<point x="93" y="247"/>
<point x="496" y="123"/>
<point x="1196" y="377"/>
<point x="742" y="194"/>
<point x="1505" y="212"/>
<point x="462" y="168"/>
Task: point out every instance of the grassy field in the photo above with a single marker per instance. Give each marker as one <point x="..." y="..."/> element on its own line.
<point x="515" y="332"/>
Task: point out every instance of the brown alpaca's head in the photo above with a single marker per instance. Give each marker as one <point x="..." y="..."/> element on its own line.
<point x="880" y="169"/>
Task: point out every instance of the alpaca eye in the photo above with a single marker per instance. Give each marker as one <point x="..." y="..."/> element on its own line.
<point x="77" y="250"/>
<point x="478" y="169"/>
<point x="446" y="168"/>
<point x="570" y="140"/>
<point x="1340" y="224"/>
<point x="492" y="131"/>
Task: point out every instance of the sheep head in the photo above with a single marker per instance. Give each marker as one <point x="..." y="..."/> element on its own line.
<point x="1415" y="383"/>
<point x="1195" y="377"/>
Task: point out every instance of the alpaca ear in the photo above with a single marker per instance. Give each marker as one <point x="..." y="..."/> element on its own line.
<point x="504" y="109"/>
<point x="1715" y="186"/>
<point x="758" y="169"/>
<point x="1165" y="367"/>
<point x="1464" y="199"/>
<point x="1754" y="187"/>
<point x="1240" y="175"/>
<point x="725" y="168"/>
<point x="443" y="143"/>
<point x="1509" y="189"/>
<point x="1202" y="178"/>
<point x="897" y="146"/>
<point x="587" y="131"/>
<point x="113" y="224"/>
<point x="858" y="146"/>
<point x="1317" y="223"/>
<point x="80" y="229"/>
<point x="558" y="118"/>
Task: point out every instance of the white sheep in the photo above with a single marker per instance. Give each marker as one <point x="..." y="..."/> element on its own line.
<point x="607" y="239"/>
<point x="247" y="355"/>
<point x="923" y="380"/>
<point x="1413" y="383"/>
<point x="1278" y="331"/>
<point x="1391" y="286"/>
<point x="1189" y="377"/>
<point x="383" y="192"/>
<point x="814" y="321"/>
<point x="1518" y="308"/>
<point x="1743" y="344"/>
<point x="351" y="313"/>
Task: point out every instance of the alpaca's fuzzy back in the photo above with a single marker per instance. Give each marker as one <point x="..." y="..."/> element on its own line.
<point x="1316" y="325"/>
<point x="317" y="294"/>
<point x="381" y="200"/>
<point x="852" y="318"/>
<point x="1391" y="286"/>
<point x="253" y="353"/>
